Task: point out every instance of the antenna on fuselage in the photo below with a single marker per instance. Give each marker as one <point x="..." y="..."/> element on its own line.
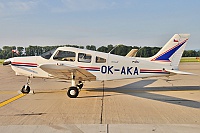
<point x="114" y="48"/>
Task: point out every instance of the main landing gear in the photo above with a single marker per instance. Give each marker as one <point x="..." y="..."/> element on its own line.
<point x="73" y="91"/>
<point x="26" y="88"/>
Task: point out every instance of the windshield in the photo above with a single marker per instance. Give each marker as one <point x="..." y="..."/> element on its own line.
<point x="65" y="56"/>
<point x="47" y="55"/>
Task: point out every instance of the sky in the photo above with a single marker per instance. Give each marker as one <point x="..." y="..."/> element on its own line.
<point x="98" y="22"/>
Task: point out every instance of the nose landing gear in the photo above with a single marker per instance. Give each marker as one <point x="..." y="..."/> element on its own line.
<point x="26" y="88"/>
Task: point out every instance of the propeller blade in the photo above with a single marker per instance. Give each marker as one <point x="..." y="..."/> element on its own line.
<point x="6" y="63"/>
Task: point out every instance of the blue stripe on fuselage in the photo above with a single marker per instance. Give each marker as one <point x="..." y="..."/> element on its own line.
<point x="23" y="65"/>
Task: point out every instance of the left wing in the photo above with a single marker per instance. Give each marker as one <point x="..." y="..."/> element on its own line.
<point x="63" y="71"/>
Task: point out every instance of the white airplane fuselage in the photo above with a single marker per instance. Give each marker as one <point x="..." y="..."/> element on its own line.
<point x="115" y="67"/>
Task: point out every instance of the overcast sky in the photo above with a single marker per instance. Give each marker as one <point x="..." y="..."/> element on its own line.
<point x="98" y="22"/>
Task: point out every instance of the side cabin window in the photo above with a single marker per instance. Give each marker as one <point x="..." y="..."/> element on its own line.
<point x="100" y="60"/>
<point x="65" y="56"/>
<point x="83" y="57"/>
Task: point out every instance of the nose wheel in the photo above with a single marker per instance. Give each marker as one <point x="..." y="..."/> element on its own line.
<point x="26" y="88"/>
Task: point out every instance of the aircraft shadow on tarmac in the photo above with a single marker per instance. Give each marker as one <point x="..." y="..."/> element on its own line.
<point x="138" y="89"/>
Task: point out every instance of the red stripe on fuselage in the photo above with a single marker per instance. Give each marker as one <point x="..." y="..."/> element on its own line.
<point x="89" y="67"/>
<point x="145" y="70"/>
<point x="20" y="63"/>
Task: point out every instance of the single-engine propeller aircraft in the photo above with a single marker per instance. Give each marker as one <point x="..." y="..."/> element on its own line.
<point x="80" y="65"/>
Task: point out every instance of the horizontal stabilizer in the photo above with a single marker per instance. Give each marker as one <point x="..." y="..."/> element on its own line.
<point x="180" y="72"/>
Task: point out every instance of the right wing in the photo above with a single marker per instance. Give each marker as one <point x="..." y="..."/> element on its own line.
<point x="64" y="71"/>
<point x="132" y="53"/>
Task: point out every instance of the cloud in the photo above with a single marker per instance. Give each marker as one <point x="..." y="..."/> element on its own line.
<point x="59" y="6"/>
<point x="21" y="5"/>
<point x="17" y="7"/>
<point x="84" y="5"/>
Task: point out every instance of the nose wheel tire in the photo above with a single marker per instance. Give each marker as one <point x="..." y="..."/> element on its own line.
<point x="73" y="92"/>
<point x="25" y="89"/>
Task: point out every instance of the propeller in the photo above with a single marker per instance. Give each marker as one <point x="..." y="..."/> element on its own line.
<point x="6" y="63"/>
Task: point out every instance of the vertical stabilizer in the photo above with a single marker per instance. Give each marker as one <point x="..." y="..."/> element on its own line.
<point x="173" y="50"/>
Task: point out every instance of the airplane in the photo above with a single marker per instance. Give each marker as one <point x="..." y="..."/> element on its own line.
<point x="80" y="65"/>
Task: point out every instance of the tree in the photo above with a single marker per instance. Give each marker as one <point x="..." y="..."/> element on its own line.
<point x="20" y="50"/>
<point x="91" y="47"/>
<point x="6" y="51"/>
<point x="190" y="53"/>
<point x="154" y="50"/>
<point x="82" y="47"/>
<point x="1" y="56"/>
<point x="198" y="53"/>
<point x="102" y="49"/>
<point x="110" y="47"/>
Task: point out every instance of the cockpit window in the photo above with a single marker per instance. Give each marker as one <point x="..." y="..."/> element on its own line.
<point x="65" y="56"/>
<point x="83" y="57"/>
<point x="47" y="55"/>
<point x="100" y="60"/>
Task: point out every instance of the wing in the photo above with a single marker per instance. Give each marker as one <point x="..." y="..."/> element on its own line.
<point x="132" y="53"/>
<point x="63" y="71"/>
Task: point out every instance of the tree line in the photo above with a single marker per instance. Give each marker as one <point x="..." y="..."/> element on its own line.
<point x="7" y="51"/>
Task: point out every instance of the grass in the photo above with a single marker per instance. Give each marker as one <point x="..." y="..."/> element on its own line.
<point x="1" y="61"/>
<point x="190" y="59"/>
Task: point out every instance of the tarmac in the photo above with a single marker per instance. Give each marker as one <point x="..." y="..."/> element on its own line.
<point x="163" y="104"/>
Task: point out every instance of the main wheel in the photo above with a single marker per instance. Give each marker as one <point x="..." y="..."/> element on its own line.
<point x="73" y="92"/>
<point x="25" y="89"/>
